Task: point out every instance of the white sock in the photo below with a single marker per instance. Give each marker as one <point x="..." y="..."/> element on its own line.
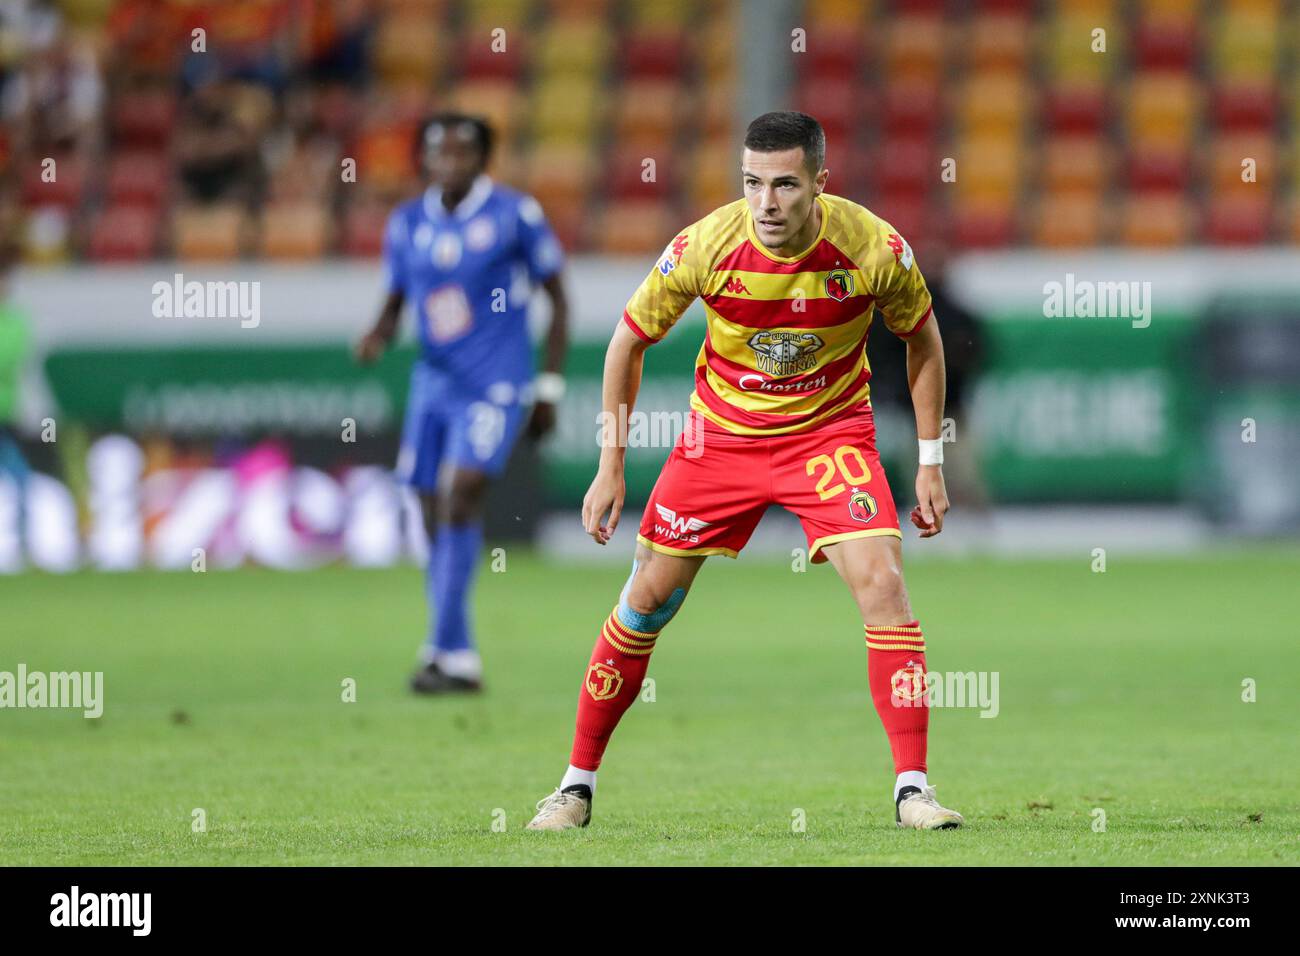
<point x="909" y="778"/>
<point x="578" y="775"/>
<point x="464" y="663"/>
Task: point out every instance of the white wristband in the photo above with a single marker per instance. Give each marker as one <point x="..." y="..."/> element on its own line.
<point x="930" y="451"/>
<point x="548" y="387"/>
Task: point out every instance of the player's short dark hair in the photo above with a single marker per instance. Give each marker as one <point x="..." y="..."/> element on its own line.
<point x="483" y="133"/>
<point x="786" y="129"/>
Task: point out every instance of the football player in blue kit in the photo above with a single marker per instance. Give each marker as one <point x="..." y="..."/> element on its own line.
<point x="467" y="255"/>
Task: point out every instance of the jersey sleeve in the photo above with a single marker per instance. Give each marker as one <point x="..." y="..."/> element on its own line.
<point x="541" y="250"/>
<point x="667" y="291"/>
<point x="395" y="242"/>
<point x="901" y="293"/>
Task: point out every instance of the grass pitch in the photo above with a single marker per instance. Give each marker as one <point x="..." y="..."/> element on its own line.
<point x="1119" y="691"/>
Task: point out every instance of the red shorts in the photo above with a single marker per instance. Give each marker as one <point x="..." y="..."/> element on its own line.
<point x="716" y="485"/>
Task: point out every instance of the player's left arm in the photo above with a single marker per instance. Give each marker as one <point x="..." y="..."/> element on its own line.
<point x="926" y="379"/>
<point x="557" y="345"/>
<point x="545" y="262"/>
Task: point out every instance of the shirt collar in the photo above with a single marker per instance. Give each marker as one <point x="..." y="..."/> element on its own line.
<point x="473" y="201"/>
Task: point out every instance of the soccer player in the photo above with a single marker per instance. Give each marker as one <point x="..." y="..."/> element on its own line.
<point x="789" y="277"/>
<point x="467" y="254"/>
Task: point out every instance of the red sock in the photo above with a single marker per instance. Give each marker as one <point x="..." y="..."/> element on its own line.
<point x="896" y="673"/>
<point x="613" y="680"/>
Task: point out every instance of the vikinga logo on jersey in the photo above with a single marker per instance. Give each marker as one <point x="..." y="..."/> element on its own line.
<point x="678" y="528"/>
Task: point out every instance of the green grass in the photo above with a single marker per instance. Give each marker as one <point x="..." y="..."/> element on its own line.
<point x="1119" y="690"/>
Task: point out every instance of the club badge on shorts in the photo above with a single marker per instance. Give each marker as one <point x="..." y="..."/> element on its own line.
<point x="862" y="506"/>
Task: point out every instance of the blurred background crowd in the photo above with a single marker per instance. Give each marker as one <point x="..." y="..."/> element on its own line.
<point x="229" y="142"/>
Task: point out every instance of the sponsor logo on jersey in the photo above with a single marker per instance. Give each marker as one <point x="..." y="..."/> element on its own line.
<point x="839" y="284"/>
<point x="784" y="353"/>
<point x="678" y="528"/>
<point x="753" y="382"/>
<point x="673" y="254"/>
<point x="862" y="506"/>
<point x="908" y="682"/>
<point x="735" y="287"/>
<point x="603" y="681"/>
<point x="902" y="251"/>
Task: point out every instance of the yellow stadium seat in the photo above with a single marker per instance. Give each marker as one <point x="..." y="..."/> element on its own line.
<point x="914" y="48"/>
<point x="572" y="48"/>
<point x="1069" y="220"/>
<point x="650" y="109"/>
<point x="998" y="42"/>
<point x="989" y="169"/>
<point x="1076" y="162"/>
<point x="498" y="101"/>
<point x="1160" y="219"/>
<point x="993" y="104"/>
<point x="211" y="233"/>
<point x="573" y="107"/>
<point x="408" y="47"/>
<point x="296" y="230"/>
<point x="1162" y="106"/>
<point x="633" y="228"/>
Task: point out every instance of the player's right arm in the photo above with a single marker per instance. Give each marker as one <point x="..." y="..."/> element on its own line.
<point x="622" y="381"/>
<point x="656" y="305"/>
<point x="376" y="341"/>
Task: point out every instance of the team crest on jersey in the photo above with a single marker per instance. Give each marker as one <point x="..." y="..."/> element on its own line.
<point x="862" y="506"/>
<point x="480" y="234"/>
<point x="785" y="353"/>
<point x="839" y="284"/>
<point x="902" y="251"/>
<point x="603" y="681"/>
<point x="908" y="682"/>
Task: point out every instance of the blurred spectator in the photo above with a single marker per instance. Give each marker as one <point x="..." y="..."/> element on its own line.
<point x="217" y="142"/>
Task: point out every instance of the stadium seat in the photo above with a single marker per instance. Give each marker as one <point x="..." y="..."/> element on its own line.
<point x="1158" y="219"/>
<point x="124" y="234"/>
<point x="648" y="110"/>
<point x="138" y="178"/>
<point x="214" y="233"/>
<point x="408" y="48"/>
<point x="637" y="227"/>
<point x="142" y="118"/>
<point x="363" y="229"/>
<point x="660" y="54"/>
<point x="1068" y="220"/>
<point x="914" y="48"/>
<point x="1245" y="105"/>
<point x="295" y="230"/>
<point x="998" y="42"/>
<point x="1077" y="162"/>
<point x="1233" y="221"/>
<point x="1159" y="166"/>
<point x="1078" y="107"/>
<point x="61" y="183"/>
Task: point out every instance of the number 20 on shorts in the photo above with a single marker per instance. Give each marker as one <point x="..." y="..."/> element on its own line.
<point x="850" y="464"/>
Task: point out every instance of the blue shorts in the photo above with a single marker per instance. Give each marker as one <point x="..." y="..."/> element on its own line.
<point x="445" y="426"/>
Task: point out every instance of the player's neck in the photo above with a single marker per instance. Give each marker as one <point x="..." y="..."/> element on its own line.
<point x="801" y="240"/>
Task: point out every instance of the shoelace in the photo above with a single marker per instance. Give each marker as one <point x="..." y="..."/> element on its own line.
<point x="552" y="802"/>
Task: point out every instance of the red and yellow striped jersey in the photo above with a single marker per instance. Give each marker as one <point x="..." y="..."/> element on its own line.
<point x="785" y="341"/>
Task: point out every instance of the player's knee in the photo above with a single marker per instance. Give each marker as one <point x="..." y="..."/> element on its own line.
<point x="646" y="606"/>
<point x="881" y="579"/>
<point x="464" y="502"/>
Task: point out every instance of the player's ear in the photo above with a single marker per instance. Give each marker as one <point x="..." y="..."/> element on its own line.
<point x="820" y="181"/>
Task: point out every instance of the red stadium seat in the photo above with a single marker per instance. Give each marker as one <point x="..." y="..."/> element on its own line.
<point x="143" y="118"/>
<point x="62" y="186"/>
<point x="1245" y="107"/>
<point x="124" y="234"/>
<point x="1077" y="108"/>
<point x="363" y="229"/>
<point x="1238" y="222"/>
<point x="139" y="177"/>
<point x="1159" y="167"/>
<point x="481" y="62"/>
<point x="660" y="54"/>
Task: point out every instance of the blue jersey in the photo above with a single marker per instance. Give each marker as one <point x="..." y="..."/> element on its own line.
<point x="469" y="275"/>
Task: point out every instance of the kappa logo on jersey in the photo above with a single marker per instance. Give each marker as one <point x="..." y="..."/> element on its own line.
<point x="673" y="254"/>
<point x="679" y="528"/>
<point x="862" y="506"/>
<point x="785" y="353"/>
<point x="735" y="287"/>
<point x="902" y="251"/>
<point x="603" y="681"/>
<point x="839" y="284"/>
<point x="908" y="682"/>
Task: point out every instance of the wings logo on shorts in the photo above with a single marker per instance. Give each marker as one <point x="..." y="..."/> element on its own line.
<point x="680" y="529"/>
